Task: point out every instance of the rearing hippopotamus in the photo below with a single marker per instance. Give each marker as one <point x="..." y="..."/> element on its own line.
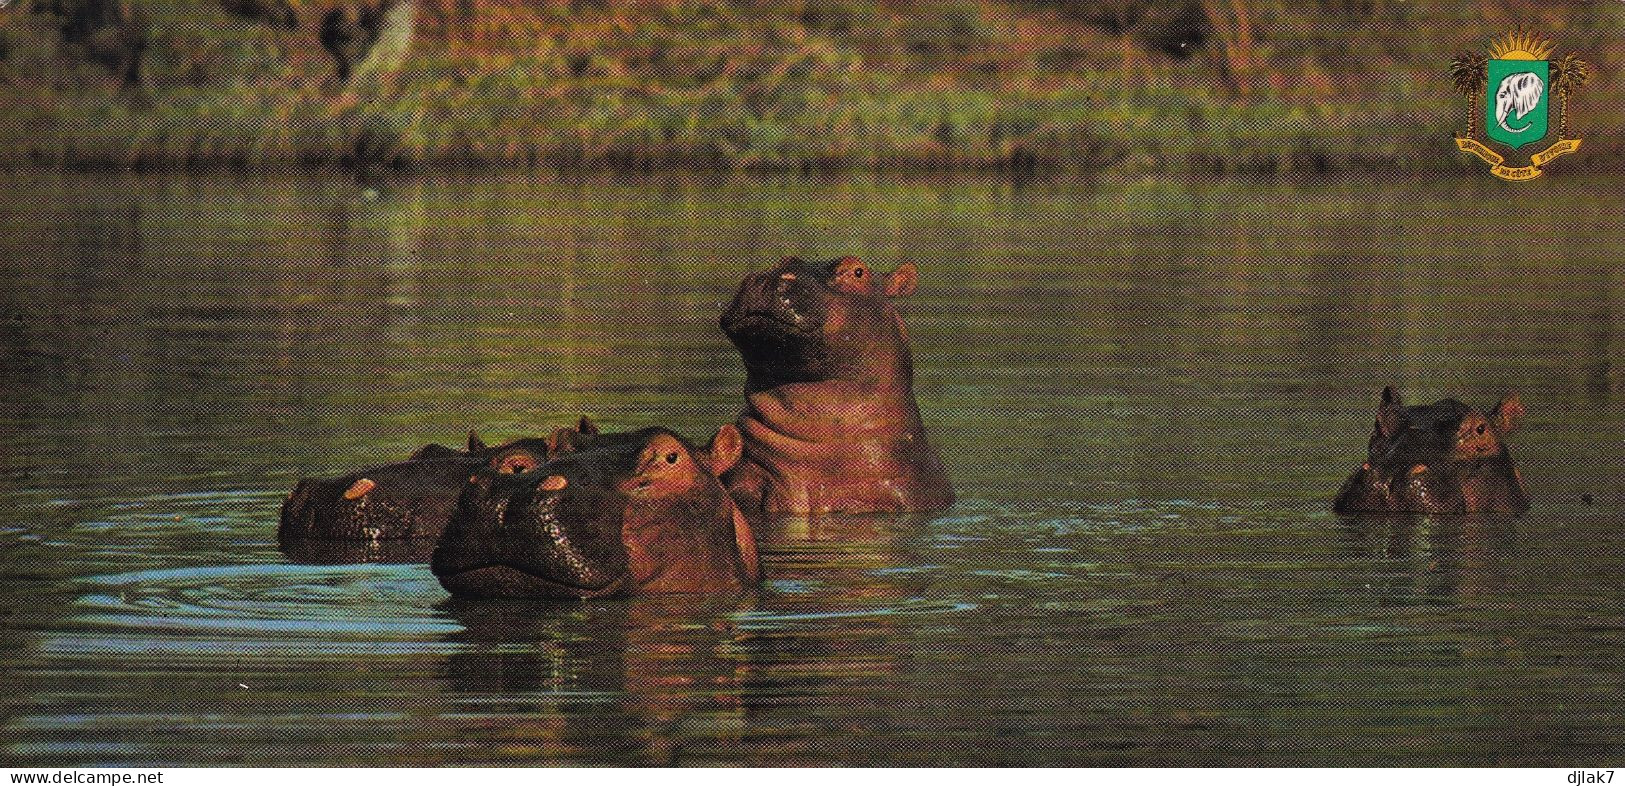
<point x="641" y="512"/>
<point x="830" y="422"/>
<point x="412" y="498"/>
<point x="1445" y="457"/>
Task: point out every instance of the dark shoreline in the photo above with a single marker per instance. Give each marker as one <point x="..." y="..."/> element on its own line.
<point x="1612" y="163"/>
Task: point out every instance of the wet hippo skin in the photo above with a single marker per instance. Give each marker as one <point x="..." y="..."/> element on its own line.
<point x="1445" y="457"/>
<point x="830" y="422"/>
<point x="633" y="513"/>
<point x="412" y="498"/>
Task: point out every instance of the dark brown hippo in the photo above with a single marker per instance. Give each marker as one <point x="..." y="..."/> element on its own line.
<point x="412" y="498"/>
<point x="640" y="512"/>
<point x="830" y="422"/>
<point x="1445" y="457"/>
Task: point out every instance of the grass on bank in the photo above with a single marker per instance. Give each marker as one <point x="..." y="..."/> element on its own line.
<point x="748" y="85"/>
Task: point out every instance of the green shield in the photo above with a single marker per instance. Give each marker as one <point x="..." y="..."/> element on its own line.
<point x="1515" y="101"/>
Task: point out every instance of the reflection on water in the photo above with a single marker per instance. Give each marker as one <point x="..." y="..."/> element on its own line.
<point x="261" y="599"/>
<point x="1146" y="393"/>
<point x="624" y="681"/>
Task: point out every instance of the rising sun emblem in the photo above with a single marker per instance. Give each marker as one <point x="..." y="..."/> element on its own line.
<point x="1515" y="82"/>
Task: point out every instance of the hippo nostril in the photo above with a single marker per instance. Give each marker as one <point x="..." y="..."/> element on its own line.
<point x="359" y="489"/>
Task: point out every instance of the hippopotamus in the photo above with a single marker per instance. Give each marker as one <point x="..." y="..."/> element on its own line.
<point x="830" y="422"/>
<point x="634" y="513"/>
<point x="412" y="498"/>
<point x="1444" y="457"/>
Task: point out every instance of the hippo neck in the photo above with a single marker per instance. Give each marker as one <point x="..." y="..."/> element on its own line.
<point x="836" y="411"/>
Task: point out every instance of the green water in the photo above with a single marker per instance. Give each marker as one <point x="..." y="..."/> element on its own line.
<point x="1146" y="393"/>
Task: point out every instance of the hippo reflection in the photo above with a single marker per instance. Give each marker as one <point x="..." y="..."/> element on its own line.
<point x="413" y="498"/>
<point x="1445" y="457"/>
<point x="640" y="512"/>
<point x="830" y="422"/>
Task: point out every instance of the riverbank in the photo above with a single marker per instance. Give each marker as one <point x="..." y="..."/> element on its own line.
<point x="715" y="85"/>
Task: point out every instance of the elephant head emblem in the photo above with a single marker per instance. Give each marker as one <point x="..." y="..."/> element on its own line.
<point x="1518" y="94"/>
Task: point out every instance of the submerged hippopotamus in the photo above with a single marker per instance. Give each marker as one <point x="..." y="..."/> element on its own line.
<point x="1445" y="457"/>
<point x="640" y="512"/>
<point x="830" y="422"/>
<point x="412" y="498"/>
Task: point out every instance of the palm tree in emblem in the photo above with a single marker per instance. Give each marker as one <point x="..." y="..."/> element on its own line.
<point x="1468" y="72"/>
<point x="1568" y="75"/>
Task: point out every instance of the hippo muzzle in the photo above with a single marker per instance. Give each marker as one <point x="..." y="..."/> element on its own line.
<point x="551" y="533"/>
<point x="405" y="500"/>
<point x="1418" y="488"/>
<point x="774" y="299"/>
<point x="777" y="321"/>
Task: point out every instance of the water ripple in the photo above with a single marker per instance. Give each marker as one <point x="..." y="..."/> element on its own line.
<point x="368" y="602"/>
<point x="764" y="620"/>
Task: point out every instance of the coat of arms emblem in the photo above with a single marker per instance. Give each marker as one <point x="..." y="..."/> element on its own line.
<point x="1512" y="88"/>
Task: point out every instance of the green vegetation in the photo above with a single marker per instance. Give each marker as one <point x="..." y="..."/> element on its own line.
<point x="1230" y="85"/>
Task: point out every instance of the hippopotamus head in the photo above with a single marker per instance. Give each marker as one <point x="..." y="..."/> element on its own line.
<point x="1444" y="457"/>
<point x="637" y="512"/>
<point x="801" y="321"/>
<point x="412" y="498"/>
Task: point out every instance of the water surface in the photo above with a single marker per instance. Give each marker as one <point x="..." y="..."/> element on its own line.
<point x="1146" y="393"/>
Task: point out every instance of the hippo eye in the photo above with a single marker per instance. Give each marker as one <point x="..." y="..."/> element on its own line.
<point x="671" y="458"/>
<point x="857" y="272"/>
<point x="516" y="464"/>
<point x="1480" y="428"/>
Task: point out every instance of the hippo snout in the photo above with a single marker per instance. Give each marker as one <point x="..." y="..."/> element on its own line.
<point x="410" y="499"/>
<point x="554" y="532"/>
<point x="769" y="297"/>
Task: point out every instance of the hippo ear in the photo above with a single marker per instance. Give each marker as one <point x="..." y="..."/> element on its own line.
<point x="902" y="281"/>
<point x="725" y="449"/>
<point x="587" y="427"/>
<point x="475" y="444"/>
<point x="561" y="441"/>
<point x="1506" y="414"/>
<point x="1388" y="411"/>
